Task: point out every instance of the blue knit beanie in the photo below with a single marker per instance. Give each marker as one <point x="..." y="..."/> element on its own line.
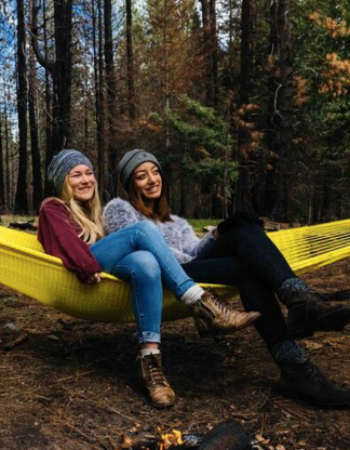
<point x="62" y="164"/>
<point x="133" y="159"/>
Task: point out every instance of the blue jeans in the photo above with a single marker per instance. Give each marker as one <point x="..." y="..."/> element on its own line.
<point x="139" y="255"/>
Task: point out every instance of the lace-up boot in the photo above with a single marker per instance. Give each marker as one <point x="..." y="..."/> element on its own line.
<point x="213" y="315"/>
<point x="307" y="313"/>
<point x="151" y="374"/>
<point x="307" y="383"/>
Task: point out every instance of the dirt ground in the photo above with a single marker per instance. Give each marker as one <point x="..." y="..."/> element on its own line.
<point x="72" y="385"/>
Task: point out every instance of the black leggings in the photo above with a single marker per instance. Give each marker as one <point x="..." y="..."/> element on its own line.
<point x="245" y="257"/>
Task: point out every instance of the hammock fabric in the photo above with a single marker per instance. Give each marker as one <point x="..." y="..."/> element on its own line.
<point x="25" y="267"/>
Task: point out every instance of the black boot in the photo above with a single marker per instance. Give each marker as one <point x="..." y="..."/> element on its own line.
<point x="306" y="382"/>
<point x="307" y="313"/>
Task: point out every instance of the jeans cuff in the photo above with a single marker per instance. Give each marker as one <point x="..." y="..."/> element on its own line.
<point x="149" y="337"/>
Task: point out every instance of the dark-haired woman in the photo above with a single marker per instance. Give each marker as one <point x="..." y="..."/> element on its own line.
<point x="237" y="253"/>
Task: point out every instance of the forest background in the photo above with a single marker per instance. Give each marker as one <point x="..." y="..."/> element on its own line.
<point x="245" y="103"/>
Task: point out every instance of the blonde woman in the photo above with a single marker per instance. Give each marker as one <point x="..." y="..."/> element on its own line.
<point x="71" y="228"/>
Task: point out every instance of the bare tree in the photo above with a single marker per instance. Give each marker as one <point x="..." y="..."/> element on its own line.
<point x="21" y="200"/>
<point x="34" y="138"/>
<point x="282" y="90"/>
<point x="130" y="61"/>
<point x="2" y="180"/>
<point x="210" y="50"/>
<point x="99" y="93"/>
<point x="112" y="149"/>
<point x="60" y="68"/>
<point x="243" y="198"/>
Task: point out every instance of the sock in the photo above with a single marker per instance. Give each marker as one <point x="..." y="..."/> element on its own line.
<point x="288" y="352"/>
<point x="290" y="287"/>
<point x="149" y="351"/>
<point x="192" y="295"/>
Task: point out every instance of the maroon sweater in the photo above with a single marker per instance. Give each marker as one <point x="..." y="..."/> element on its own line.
<point x="59" y="236"/>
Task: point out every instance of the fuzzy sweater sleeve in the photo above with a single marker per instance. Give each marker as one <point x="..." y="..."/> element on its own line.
<point x="118" y="214"/>
<point x="59" y="237"/>
<point x="190" y="242"/>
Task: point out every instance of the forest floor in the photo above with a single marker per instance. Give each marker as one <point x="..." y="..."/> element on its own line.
<point x="72" y="385"/>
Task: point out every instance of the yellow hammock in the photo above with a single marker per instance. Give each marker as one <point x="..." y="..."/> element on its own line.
<point x="24" y="267"/>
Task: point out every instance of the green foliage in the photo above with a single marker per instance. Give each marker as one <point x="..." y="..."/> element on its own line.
<point x="199" y="224"/>
<point x="207" y="140"/>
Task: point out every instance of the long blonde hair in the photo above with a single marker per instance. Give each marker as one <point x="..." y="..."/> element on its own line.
<point x="87" y="215"/>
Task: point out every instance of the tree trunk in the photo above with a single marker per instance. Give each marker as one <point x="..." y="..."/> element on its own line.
<point x="8" y="196"/>
<point x="243" y="199"/>
<point x="2" y="182"/>
<point x="99" y="96"/>
<point x="130" y="61"/>
<point x="34" y="139"/>
<point x="62" y="75"/>
<point x="48" y="112"/>
<point x="280" y="128"/>
<point x="210" y="50"/>
<point x="112" y="148"/>
<point x="21" y="201"/>
<point x="60" y="69"/>
<point x="214" y="51"/>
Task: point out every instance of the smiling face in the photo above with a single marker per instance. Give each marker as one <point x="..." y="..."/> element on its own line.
<point x="148" y="181"/>
<point x="82" y="182"/>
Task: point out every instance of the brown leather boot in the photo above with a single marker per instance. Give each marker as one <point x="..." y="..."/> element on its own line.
<point x="213" y="315"/>
<point x="151" y="374"/>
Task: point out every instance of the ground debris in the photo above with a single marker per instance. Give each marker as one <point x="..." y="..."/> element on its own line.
<point x="15" y="342"/>
<point x="74" y="384"/>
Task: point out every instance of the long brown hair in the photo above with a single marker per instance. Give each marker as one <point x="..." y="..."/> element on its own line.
<point x="161" y="210"/>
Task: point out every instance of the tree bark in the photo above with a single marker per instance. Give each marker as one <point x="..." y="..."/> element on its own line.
<point x="34" y="138"/>
<point x="112" y="148"/>
<point x="210" y="50"/>
<point x="21" y="200"/>
<point x="130" y="61"/>
<point x="99" y="97"/>
<point x="8" y="197"/>
<point x="2" y="181"/>
<point x="281" y="92"/>
<point x="48" y="190"/>
<point x="60" y="69"/>
<point x="243" y="199"/>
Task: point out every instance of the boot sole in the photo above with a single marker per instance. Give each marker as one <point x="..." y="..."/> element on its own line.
<point x="303" y="399"/>
<point x="212" y="332"/>
<point x="336" y="323"/>
<point x="160" y="406"/>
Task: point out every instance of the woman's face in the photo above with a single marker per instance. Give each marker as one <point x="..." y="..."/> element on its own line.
<point x="81" y="180"/>
<point x="148" y="181"/>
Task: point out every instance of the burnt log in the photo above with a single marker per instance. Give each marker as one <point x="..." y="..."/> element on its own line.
<point x="227" y="435"/>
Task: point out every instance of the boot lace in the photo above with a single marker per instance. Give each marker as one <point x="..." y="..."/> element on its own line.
<point x="221" y="303"/>
<point x="155" y="371"/>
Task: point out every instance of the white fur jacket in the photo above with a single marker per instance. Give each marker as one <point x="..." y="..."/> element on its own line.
<point x="178" y="234"/>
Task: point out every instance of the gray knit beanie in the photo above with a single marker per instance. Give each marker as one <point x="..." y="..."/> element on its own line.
<point x="131" y="160"/>
<point x="62" y="164"/>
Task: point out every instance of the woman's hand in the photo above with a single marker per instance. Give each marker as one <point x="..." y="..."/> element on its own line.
<point x="94" y="279"/>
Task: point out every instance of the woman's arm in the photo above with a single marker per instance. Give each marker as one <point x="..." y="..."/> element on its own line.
<point x="191" y="243"/>
<point x="118" y="214"/>
<point x="59" y="237"/>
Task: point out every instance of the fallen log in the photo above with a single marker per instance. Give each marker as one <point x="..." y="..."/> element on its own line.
<point x="29" y="225"/>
